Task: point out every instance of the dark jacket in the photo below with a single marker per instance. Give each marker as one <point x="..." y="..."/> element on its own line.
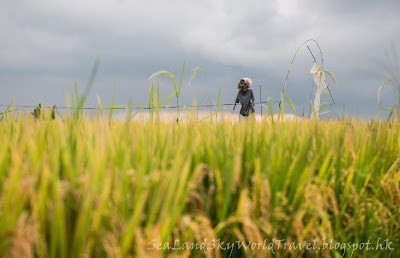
<point x="245" y="98"/>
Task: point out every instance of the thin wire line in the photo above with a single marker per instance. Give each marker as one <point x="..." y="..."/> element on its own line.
<point x="134" y="107"/>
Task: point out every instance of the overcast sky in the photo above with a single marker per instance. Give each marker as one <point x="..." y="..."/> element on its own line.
<point x="47" y="44"/>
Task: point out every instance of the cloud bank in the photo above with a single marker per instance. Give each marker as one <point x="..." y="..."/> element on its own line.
<point x="47" y="44"/>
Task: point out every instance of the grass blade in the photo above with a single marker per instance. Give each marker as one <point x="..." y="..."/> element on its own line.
<point x="112" y="101"/>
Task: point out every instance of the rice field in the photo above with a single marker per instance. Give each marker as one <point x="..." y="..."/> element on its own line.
<point x="96" y="187"/>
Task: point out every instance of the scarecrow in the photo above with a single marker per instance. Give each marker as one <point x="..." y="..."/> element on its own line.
<point x="246" y="98"/>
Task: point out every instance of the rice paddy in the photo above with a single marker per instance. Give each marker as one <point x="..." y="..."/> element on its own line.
<point x="92" y="187"/>
<point x="197" y="184"/>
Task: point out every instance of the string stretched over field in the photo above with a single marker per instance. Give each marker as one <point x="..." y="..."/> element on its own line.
<point x="129" y="106"/>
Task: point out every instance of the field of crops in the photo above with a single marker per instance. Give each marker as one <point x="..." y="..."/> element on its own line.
<point x="98" y="188"/>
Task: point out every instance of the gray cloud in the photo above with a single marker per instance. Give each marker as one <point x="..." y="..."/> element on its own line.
<point x="47" y="44"/>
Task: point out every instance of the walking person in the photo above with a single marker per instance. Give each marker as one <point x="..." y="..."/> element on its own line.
<point x="246" y="98"/>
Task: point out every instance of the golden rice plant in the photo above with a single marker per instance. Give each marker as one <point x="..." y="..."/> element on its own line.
<point x="91" y="187"/>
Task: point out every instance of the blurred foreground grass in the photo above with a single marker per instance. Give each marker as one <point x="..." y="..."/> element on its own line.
<point x="98" y="188"/>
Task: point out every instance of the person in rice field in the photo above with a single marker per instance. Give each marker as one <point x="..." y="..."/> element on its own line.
<point x="246" y="98"/>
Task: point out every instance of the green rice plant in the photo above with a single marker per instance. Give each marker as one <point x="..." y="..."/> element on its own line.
<point x="6" y="111"/>
<point x="112" y="101"/>
<point x="158" y="100"/>
<point x="157" y="106"/>
<point x="177" y="89"/>
<point x="396" y="95"/>
<point x="151" y="102"/>
<point x="270" y="108"/>
<point x="217" y="109"/>
<point x="165" y="101"/>
<point x="78" y="100"/>
<point x="102" y="187"/>
<point x="99" y="108"/>
<point x="195" y="72"/>
<point x="284" y="91"/>
<point x="392" y="69"/>
<point x="137" y="112"/>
